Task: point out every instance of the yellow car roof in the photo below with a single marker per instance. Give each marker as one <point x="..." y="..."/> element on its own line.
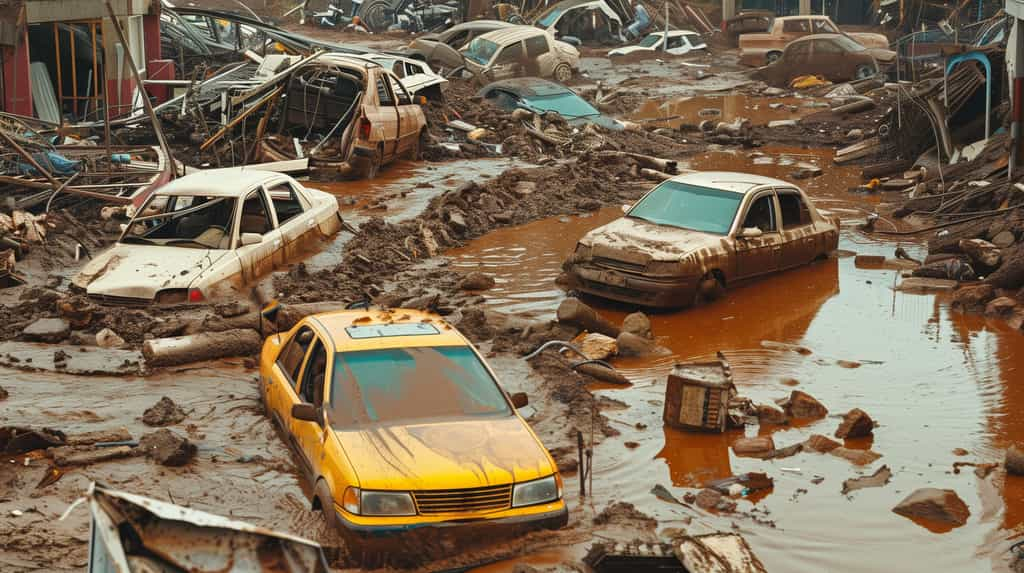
<point x="392" y="328"/>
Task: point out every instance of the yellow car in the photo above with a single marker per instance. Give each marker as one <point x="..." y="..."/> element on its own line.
<point x="401" y="425"/>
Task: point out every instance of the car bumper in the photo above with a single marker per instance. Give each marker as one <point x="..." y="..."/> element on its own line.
<point x="509" y="525"/>
<point x="633" y="289"/>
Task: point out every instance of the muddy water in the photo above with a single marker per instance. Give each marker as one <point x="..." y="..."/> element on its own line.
<point x="693" y="110"/>
<point x="933" y="379"/>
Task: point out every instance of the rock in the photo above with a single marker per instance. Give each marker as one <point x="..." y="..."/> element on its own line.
<point x="524" y="188"/>
<point x="787" y="451"/>
<point x="163" y="413"/>
<point x="782" y="123"/>
<point x="630" y="344"/>
<point x="231" y="309"/>
<point x="708" y="498"/>
<point x="597" y="346"/>
<point x="856" y="424"/>
<point x="942" y="505"/>
<point x="768" y="414"/>
<point x="801" y="405"/>
<point x="520" y="114"/>
<point x="573" y="311"/>
<point x="1003" y="239"/>
<point x="820" y="443"/>
<point x="973" y="298"/>
<point x="107" y="338"/>
<point x="772" y="92"/>
<point x="476" y="281"/>
<point x="47" y="330"/>
<point x="457" y="221"/>
<point x="982" y="252"/>
<point x="878" y="479"/>
<point x="858" y="457"/>
<point x="167" y="448"/>
<point x="638" y="324"/>
<point x="754" y="447"/>
<point x="960" y="452"/>
<point x="1014" y="462"/>
<point x="1001" y="307"/>
<point x="77" y="310"/>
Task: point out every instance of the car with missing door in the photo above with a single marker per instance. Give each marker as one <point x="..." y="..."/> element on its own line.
<point x="694" y="235"/>
<point x="520" y="51"/>
<point x="400" y="425"/>
<point x="208" y="235"/>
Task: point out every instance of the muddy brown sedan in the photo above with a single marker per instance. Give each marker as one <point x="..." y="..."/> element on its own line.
<point x="696" y="234"/>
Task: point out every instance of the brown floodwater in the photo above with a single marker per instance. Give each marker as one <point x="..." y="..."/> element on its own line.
<point x="727" y="107"/>
<point x="933" y="379"/>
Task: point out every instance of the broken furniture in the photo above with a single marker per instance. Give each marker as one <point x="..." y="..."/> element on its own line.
<point x="697" y="396"/>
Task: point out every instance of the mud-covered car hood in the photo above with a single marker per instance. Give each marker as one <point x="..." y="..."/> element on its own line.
<point x="870" y="39"/>
<point x="140" y="271"/>
<point x="445" y="454"/>
<point x="882" y="55"/>
<point x="640" y="241"/>
<point x="629" y="50"/>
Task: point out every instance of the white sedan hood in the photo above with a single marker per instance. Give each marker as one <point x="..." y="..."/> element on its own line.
<point x="629" y="50"/>
<point x="140" y="271"/>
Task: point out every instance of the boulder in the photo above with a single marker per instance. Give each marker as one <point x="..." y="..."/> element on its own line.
<point x="632" y="345"/>
<point x="801" y="405"/>
<point x="1014" y="462"/>
<point x="476" y="281"/>
<point x="820" y="443"/>
<point x="762" y="446"/>
<point x="768" y="414"/>
<point x="575" y="312"/>
<point x="637" y="323"/>
<point x="857" y="457"/>
<point x="1001" y="307"/>
<point x="47" y="330"/>
<point x="942" y="505"/>
<point x="167" y="448"/>
<point x="856" y="424"/>
<point x="107" y="338"/>
<point x="163" y="413"/>
<point x="596" y="346"/>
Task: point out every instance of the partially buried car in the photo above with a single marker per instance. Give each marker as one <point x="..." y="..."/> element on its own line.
<point x="834" y="57"/>
<point x="207" y="235"/>
<point x="680" y="42"/>
<point x="442" y="50"/>
<point x="693" y="235"/>
<point x="400" y="425"/>
<point x="542" y="96"/>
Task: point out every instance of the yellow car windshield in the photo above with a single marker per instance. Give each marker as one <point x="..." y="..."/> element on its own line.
<point x="404" y="384"/>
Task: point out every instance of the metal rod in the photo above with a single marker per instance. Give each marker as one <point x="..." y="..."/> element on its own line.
<point x="74" y="71"/>
<point x="31" y="160"/>
<point x="142" y="90"/>
<point x="60" y="82"/>
<point x="59" y="189"/>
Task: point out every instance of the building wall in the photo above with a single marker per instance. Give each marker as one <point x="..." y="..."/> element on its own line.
<point x="17" y="96"/>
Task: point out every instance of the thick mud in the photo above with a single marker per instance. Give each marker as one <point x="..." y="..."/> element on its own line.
<point x="934" y="380"/>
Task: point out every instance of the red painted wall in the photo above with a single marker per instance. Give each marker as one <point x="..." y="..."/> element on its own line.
<point x="17" y="81"/>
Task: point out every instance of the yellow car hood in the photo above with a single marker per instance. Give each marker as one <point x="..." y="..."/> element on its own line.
<point x="445" y="455"/>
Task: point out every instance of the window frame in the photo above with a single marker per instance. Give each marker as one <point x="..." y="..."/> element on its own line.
<point x="292" y="377"/>
<point x="304" y="375"/>
<point x="497" y="57"/>
<point x="293" y="194"/>
<point x="382" y="82"/>
<point x="241" y="213"/>
<point x="543" y="40"/>
<point x="805" y="208"/>
<point x="770" y="194"/>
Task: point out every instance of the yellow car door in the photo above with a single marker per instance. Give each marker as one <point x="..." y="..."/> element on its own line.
<point x="281" y="390"/>
<point x="309" y="435"/>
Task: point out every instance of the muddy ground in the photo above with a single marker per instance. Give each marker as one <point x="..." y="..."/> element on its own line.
<point x="937" y="382"/>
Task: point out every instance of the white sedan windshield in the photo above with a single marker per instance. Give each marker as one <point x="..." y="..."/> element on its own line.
<point x="194" y="221"/>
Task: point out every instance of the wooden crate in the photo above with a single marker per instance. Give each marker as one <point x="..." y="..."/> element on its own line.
<point x="697" y="396"/>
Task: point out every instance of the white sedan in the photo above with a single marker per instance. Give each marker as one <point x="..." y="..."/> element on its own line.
<point x="208" y="235"/>
<point x="679" y="42"/>
<point x="415" y="75"/>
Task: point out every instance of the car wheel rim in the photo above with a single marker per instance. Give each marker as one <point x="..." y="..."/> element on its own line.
<point x="772" y="58"/>
<point x="562" y="74"/>
<point x="374" y="16"/>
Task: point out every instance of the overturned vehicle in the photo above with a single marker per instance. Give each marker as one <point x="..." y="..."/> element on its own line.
<point x="585" y="21"/>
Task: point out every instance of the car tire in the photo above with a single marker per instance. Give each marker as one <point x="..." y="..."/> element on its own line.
<point x="416" y="151"/>
<point x="562" y="73"/>
<point x="322" y="493"/>
<point x="863" y="72"/>
<point x="772" y="57"/>
<point x="373" y="15"/>
<point x="710" y="288"/>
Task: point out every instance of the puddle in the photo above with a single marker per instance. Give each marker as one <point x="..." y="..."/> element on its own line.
<point x="933" y="379"/>
<point x="693" y="110"/>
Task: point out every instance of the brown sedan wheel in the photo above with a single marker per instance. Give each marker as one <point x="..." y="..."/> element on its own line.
<point x="710" y="288"/>
<point x="416" y="151"/>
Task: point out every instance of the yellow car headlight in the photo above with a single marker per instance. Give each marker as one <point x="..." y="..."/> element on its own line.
<point x="386" y="503"/>
<point x="542" y="490"/>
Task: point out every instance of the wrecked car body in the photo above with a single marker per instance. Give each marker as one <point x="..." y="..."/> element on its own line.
<point x="347" y="114"/>
<point x="680" y="42"/>
<point x="415" y="75"/>
<point x="689" y="238"/>
<point x="834" y="57"/>
<point x="585" y="20"/>
<point x="442" y="50"/>
<point x="520" y="51"/>
<point x="759" y="49"/>
<point x="207" y="235"/>
<point x="402" y="426"/>
<point x="130" y="532"/>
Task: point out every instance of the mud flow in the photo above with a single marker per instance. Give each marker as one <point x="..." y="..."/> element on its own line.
<point x="934" y="379"/>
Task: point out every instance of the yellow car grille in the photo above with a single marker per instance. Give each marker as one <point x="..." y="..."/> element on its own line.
<point x="472" y="500"/>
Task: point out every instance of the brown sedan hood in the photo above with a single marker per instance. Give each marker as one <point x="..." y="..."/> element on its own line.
<point x="638" y="241"/>
<point x="882" y="56"/>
